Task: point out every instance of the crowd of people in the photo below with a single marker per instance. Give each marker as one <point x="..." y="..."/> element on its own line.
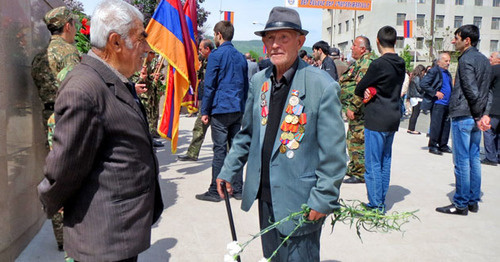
<point x="280" y="117"/>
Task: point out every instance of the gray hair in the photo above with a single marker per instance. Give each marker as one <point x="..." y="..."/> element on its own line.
<point x="365" y="42"/>
<point x="442" y="55"/>
<point x="112" y="16"/>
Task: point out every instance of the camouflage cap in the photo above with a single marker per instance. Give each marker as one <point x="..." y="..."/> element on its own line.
<point x="59" y="16"/>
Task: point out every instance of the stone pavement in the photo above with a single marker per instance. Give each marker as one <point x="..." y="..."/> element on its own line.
<point x="193" y="230"/>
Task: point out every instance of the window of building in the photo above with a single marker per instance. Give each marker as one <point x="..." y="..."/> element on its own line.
<point x="421" y="1"/>
<point x="420" y="20"/>
<point x="420" y="42"/>
<point x="496" y="3"/>
<point x="458" y="21"/>
<point x="478" y="2"/>
<point x="440" y="2"/>
<point x="400" y="18"/>
<point x="347" y="26"/>
<point x="439" y="21"/>
<point x="340" y="28"/>
<point x="360" y="19"/>
<point x="400" y="42"/>
<point x="402" y="1"/>
<point x="477" y="21"/>
<point x="493" y="45"/>
<point x="495" y="21"/>
<point x="438" y="43"/>
<point x="459" y="2"/>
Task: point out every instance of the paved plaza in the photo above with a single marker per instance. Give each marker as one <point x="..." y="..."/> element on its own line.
<point x="193" y="230"/>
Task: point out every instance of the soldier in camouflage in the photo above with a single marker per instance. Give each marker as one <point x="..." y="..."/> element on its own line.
<point x="353" y="107"/>
<point x="199" y="129"/>
<point x="48" y="69"/>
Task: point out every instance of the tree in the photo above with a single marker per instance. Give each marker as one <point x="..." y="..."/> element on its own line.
<point x="406" y="55"/>
<point x="74" y="6"/>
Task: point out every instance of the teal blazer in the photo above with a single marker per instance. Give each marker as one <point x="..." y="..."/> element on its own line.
<point x="313" y="176"/>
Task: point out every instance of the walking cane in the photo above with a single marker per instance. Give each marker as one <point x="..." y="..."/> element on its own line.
<point x="229" y="213"/>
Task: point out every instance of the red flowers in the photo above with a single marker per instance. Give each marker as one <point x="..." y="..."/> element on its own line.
<point x="85" y="28"/>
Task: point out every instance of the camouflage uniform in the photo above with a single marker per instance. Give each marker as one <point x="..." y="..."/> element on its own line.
<point x="199" y="129"/>
<point x="355" y="132"/>
<point x="48" y="70"/>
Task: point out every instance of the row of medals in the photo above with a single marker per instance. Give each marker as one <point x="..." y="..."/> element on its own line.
<point x="293" y="125"/>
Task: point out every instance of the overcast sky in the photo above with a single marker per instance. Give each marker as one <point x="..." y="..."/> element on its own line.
<point x="246" y="13"/>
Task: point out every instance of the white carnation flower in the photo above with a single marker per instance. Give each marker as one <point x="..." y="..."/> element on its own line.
<point x="263" y="259"/>
<point x="233" y="248"/>
<point x="229" y="258"/>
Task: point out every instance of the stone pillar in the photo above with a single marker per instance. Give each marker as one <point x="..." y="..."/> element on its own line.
<point x="22" y="138"/>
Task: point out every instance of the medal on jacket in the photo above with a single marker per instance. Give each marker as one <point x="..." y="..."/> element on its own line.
<point x="293" y="126"/>
<point x="263" y="103"/>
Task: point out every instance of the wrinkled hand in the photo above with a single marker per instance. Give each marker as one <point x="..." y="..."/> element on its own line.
<point x="315" y="215"/>
<point x="205" y="119"/>
<point x="350" y="114"/>
<point x="439" y="95"/>
<point x="156" y="76"/>
<point x="229" y="188"/>
<point x="140" y="88"/>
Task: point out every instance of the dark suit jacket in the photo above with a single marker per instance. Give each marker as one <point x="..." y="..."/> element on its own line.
<point x="102" y="169"/>
<point x="430" y="84"/>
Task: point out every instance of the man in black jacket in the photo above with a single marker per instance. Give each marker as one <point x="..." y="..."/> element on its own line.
<point x="492" y="114"/>
<point x="437" y="87"/>
<point x="467" y="105"/>
<point x="320" y="52"/>
<point x="382" y="113"/>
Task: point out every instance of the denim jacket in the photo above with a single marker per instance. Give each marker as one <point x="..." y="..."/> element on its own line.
<point x="226" y="81"/>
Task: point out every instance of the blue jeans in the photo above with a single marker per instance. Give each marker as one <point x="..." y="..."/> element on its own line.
<point x="224" y="128"/>
<point x="378" y="154"/>
<point x="466" y="137"/>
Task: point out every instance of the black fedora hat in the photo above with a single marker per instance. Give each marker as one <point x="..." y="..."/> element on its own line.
<point x="283" y="18"/>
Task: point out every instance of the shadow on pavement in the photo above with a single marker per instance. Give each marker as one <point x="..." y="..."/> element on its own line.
<point x="159" y="250"/>
<point x="395" y="194"/>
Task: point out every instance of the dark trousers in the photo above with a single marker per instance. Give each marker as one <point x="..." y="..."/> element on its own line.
<point x="130" y="259"/>
<point x="296" y="249"/>
<point x="440" y="126"/>
<point x="492" y="141"/>
<point x="415" y="111"/>
<point x="224" y="128"/>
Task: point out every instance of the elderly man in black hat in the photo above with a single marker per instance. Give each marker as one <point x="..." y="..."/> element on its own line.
<point x="293" y="139"/>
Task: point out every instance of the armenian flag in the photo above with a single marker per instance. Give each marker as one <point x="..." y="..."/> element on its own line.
<point x="408" y="28"/>
<point x="168" y="35"/>
<point x="229" y="16"/>
<point x="191" y="14"/>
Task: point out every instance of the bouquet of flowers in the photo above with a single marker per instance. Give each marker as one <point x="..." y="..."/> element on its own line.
<point x="82" y="37"/>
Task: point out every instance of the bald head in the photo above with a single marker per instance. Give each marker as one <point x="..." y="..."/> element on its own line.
<point x="495" y="58"/>
<point x="444" y="61"/>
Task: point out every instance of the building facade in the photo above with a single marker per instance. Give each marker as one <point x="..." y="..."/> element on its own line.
<point x="22" y="135"/>
<point x="341" y="26"/>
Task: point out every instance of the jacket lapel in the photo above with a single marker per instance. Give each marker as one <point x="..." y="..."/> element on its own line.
<point x="268" y="95"/>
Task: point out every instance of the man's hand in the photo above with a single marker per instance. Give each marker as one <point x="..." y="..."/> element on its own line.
<point x="484" y="123"/>
<point x="350" y="114"/>
<point x="229" y="188"/>
<point x="140" y="88"/>
<point x="439" y="95"/>
<point x="205" y="119"/>
<point x="315" y="215"/>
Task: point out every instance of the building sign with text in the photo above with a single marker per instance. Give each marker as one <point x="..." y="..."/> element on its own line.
<point x="363" y="5"/>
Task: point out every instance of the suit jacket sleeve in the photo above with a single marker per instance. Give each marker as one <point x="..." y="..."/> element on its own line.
<point x="77" y="137"/>
<point x="427" y="82"/>
<point x="332" y="158"/>
<point x="211" y="77"/>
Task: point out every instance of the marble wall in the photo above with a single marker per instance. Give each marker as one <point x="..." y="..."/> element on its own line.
<point x="22" y="138"/>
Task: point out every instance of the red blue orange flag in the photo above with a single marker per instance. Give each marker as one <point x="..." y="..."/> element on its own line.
<point x="408" y="28"/>
<point x="191" y="14"/>
<point x="168" y="35"/>
<point x="229" y="16"/>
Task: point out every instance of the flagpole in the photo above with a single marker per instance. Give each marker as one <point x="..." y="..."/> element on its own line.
<point x="415" y="36"/>
<point x="220" y="11"/>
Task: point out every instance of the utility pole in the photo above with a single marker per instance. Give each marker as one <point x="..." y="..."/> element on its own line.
<point x="331" y="26"/>
<point x="354" y="22"/>
<point x="433" y="14"/>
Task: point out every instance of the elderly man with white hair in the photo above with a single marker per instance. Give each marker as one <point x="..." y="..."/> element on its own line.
<point x="103" y="170"/>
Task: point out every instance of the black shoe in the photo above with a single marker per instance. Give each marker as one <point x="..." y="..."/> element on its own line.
<point x="60" y="248"/>
<point x="445" y="149"/>
<point x="453" y="210"/>
<point x="435" y="151"/>
<point x="474" y="207"/>
<point x="207" y="196"/>
<point x="186" y="158"/>
<point x="354" y="180"/>
<point x="157" y="144"/>
<point x="488" y="162"/>
<point x="237" y="196"/>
